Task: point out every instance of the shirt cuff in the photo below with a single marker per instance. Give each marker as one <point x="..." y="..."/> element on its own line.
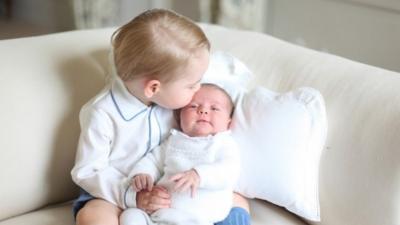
<point x="130" y="197"/>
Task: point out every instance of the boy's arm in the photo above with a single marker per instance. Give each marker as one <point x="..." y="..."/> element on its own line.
<point x="92" y="171"/>
<point x="151" y="164"/>
<point x="225" y="171"/>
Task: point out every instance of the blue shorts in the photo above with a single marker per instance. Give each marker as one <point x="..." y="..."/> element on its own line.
<point x="81" y="201"/>
<point x="237" y="215"/>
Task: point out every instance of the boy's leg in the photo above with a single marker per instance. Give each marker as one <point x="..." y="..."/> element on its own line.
<point x="98" y="212"/>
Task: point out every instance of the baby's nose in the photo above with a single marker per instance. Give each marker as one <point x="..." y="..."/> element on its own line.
<point x="203" y="110"/>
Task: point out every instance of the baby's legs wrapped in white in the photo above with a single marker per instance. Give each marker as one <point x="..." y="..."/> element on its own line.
<point x="177" y="217"/>
<point x="134" y="216"/>
<point x="207" y="205"/>
<point x="205" y="208"/>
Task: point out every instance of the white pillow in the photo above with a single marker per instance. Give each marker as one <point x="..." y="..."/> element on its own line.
<point x="281" y="137"/>
<point x="229" y="73"/>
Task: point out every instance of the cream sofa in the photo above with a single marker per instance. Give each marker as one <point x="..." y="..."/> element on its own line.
<point x="45" y="80"/>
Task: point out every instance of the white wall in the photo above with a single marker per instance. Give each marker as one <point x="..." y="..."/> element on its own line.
<point x="57" y="15"/>
<point x="52" y="15"/>
<point x="363" y="30"/>
<point x="131" y="8"/>
<point x="367" y="31"/>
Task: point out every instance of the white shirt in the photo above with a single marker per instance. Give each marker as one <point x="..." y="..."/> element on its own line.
<point x="215" y="159"/>
<point x="116" y="131"/>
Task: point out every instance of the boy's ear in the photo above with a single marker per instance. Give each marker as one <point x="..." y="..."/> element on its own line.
<point x="151" y="87"/>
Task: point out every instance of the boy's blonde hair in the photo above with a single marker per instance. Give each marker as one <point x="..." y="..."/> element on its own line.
<point x="156" y="43"/>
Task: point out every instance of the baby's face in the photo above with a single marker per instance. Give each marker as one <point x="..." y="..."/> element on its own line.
<point x="207" y="113"/>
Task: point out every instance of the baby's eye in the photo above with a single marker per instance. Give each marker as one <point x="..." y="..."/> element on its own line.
<point x="192" y="106"/>
<point x="214" y="108"/>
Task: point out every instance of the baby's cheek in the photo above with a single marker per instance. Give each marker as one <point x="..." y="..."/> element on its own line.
<point x="221" y="125"/>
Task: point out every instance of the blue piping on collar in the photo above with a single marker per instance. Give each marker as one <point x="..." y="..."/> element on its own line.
<point x="149" y="124"/>
<point x="150" y="130"/>
<point x="159" y="128"/>
<point x="119" y="110"/>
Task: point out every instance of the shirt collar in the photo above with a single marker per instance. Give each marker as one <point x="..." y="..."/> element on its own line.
<point x="127" y="105"/>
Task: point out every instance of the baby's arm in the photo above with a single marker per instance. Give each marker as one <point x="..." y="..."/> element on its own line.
<point x="224" y="171"/>
<point x="220" y="174"/>
<point x="185" y="180"/>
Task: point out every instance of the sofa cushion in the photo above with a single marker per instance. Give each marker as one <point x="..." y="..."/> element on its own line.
<point x="261" y="213"/>
<point x="264" y="213"/>
<point x="43" y="84"/>
<point x="54" y="215"/>
<point x="359" y="170"/>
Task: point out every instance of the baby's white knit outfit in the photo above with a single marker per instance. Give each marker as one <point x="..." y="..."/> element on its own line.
<point x="215" y="158"/>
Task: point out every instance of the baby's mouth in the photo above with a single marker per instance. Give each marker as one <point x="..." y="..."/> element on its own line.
<point x="203" y="121"/>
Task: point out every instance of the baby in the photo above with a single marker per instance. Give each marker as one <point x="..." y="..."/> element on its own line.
<point x="198" y="165"/>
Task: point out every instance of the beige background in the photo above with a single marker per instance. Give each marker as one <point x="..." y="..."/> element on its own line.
<point x="362" y="30"/>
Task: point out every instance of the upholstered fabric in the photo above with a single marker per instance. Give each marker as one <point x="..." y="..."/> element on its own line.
<point x="262" y="213"/>
<point x="54" y="215"/>
<point x="359" y="169"/>
<point x="45" y="80"/>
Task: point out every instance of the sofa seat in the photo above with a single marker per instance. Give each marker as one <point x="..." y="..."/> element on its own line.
<point x="61" y="214"/>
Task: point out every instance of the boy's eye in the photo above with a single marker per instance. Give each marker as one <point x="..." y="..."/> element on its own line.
<point x="192" y="106"/>
<point x="214" y="108"/>
<point x="194" y="86"/>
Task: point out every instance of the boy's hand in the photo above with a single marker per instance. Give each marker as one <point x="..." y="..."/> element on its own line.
<point x="150" y="201"/>
<point x="142" y="181"/>
<point x="188" y="179"/>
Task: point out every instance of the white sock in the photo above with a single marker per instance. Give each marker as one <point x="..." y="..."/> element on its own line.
<point x="134" y="216"/>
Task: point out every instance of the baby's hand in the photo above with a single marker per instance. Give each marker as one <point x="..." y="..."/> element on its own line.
<point x="142" y="181"/>
<point x="188" y="179"/>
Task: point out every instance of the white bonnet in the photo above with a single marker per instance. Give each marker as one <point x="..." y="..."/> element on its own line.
<point x="229" y="73"/>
